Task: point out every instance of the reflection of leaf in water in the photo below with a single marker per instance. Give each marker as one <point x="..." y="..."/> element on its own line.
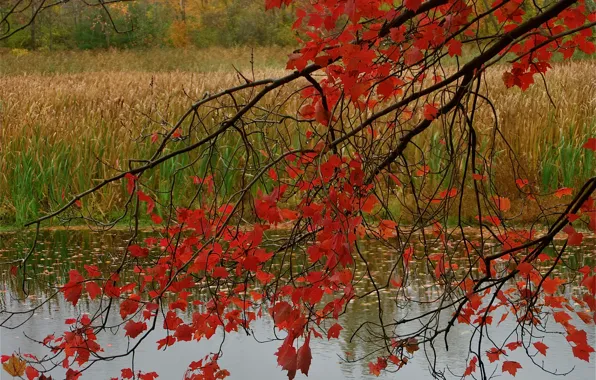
<point x="14" y="366"/>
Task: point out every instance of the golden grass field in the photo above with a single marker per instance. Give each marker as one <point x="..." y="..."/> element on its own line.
<point x="60" y="112"/>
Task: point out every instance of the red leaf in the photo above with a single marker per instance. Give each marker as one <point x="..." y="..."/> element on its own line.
<point x="220" y="272"/>
<point x="562" y="317"/>
<point x="511" y="367"/>
<point x="93" y="289"/>
<point x="133" y="329"/>
<point x="138" y="251"/>
<point x="525" y="268"/>
<point x="150" y="202"/>
<point x="582" y="352"/>
<point x="454" y="47"/>
<point x="590" y="144"/>
<point x="430" y="112"/>
<point x="127" y="373"/>
<point x="333" y="331"/>
<point x="493" y="354"/>
<point x="471" y="368"/>
<point x="304" y="356"/>
<point x="130" y="182"/>
<point x="92" y="270"/>
<point x="148" y="376"/>
<point x="31" y="373"/>
<point x="129" y="306"/>
<point x="575" y="239"/>
<point x="412" y="4"/>
<point x="72" y="290"/>
<point x="272" y="174"/>
<point x="184" y="332"/>
<point x="541" y="347"/>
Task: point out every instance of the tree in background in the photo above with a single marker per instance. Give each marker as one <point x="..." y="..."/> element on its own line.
<point x="376" y="84"/>
<point x="179" y="23"/>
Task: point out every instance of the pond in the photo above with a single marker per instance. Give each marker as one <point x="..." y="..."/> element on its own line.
<point x="245" y="356"/>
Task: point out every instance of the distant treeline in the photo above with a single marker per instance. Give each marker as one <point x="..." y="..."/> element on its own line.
<point x="151" y="23"/>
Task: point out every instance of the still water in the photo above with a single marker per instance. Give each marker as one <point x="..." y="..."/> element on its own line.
<point x="245" y="356"/>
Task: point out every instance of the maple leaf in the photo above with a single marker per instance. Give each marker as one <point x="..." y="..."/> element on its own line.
<point x="184" y="332"/>
<point x="287" y="358"/>
<point x="454" y="47"/>
<point x="562" y="317"/>
<point x="525" y="268"/>
<point x="220" y="272"/>
<point x="521" y="183"/>
<point x="541" y="347"/>
<point x="582" y="351"/>
<point x="502" y="203"/>
<point x="72" y="290"/>
<point x="304" y="356"/>
<point x="494" y="353"/>
<point x="430" y="112"/>
<point x="127" y="373"/>
<point x="333" y="331"/>
<point x="575" y="239"/>
<point x="413" y="55"/>
<point x="31" y="373"/>
<point x="71" y="374"/>
<point x="550" y="285"/>
<point x="93" y="289"/>
<point x="129" y="306"/>
<point x="511" y="367"/>
<point x="412" y="4"/>
<point x="156" y="219"/>
<point x="563" y="191"/>
<point x="133" y="329"/>
<point x="281" y="312"/>
<point x="471" y="368"/>
<point x="138" y="251"/>
<point x="15" y="366"/>
<point x="92" y="270"/>
<point x="578" y="337"/>
<point x="151" y="376"/>
<point x="590" y="144"/>
<point x="130" y="182"/>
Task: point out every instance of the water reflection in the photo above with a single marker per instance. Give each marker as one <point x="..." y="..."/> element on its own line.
<point x="244" y="356"/>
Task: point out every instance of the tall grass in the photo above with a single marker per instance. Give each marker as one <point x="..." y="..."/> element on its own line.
<point x="20" y="61"/>
<point x="57" y="130"/>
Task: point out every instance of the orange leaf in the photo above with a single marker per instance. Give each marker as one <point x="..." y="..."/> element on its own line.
<point x="550" y="285"/>
<point x="541" y="347"/>
<point x="563" y="191"/>
<point x="15" y="366"/>
<point x="521" y="183"/>
<point x="511" y="367"/>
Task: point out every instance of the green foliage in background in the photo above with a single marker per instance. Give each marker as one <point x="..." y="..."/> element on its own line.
<point x="144" y="24"/>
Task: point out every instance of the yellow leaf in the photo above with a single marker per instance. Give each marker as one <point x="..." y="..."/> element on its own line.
<point x="15" y="366"/>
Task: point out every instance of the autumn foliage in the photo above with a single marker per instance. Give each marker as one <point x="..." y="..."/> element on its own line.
<point x="374" y="77"/>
